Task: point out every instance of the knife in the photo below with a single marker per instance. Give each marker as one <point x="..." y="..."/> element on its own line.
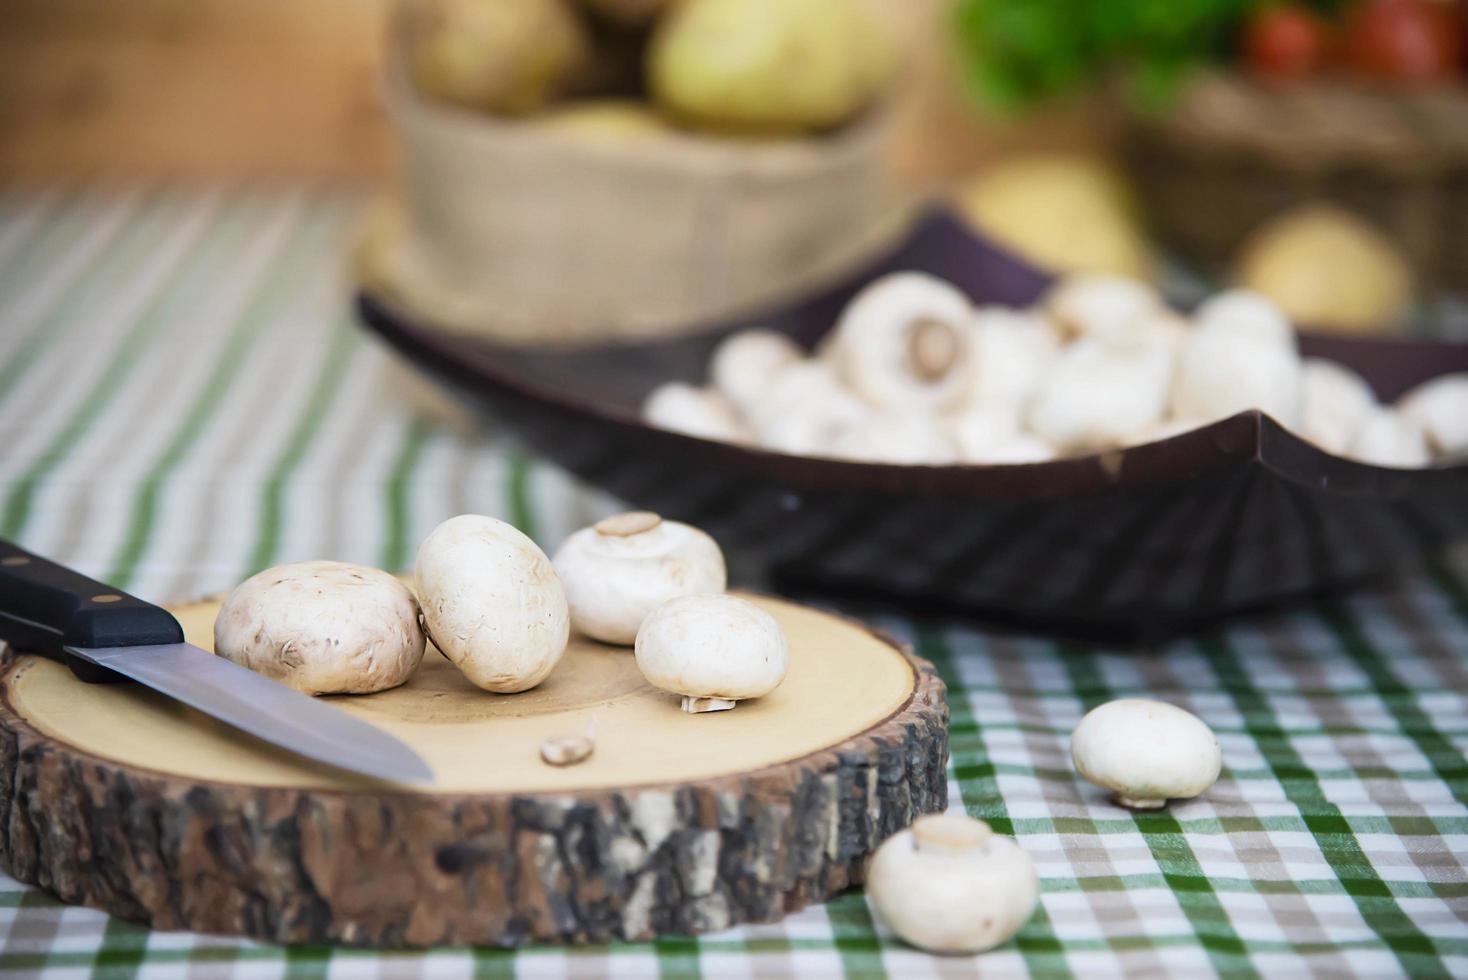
<point x="105" y="635"/>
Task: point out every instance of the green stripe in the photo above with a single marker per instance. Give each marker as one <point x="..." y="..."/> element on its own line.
<point x="38" y="248"/>
<point x="1332" y="833"/>
<point x="854" y="936"/>
<point x="517" y="495"/>
<point x="272" y="494"/>
<point x="122" y="253"/>
<point x="286" y="272"/>
<point x="677" y="957"/>
<point x="980" y="797"/>
<point x="1175" y="859"/>
<point x="121" y="952"/>
<point x="395" y="547"/>
<point x="1447" y="763"/>
<point x="171" y="294"/>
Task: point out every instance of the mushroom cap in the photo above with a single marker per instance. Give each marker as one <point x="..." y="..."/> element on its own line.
<point x="1011" y="351"/>
<point x="1146" y="751"/>
<point x="322" y="627"/>
<point x="1244" y="313"/>
<point x="903" y="438"/>
<point x="1390" y="438"/>
<point x="948" y="884"/>
<point x="1097" y="395"/>
<point x="795" y="387"/>
<point x="622" y="568"/>
<point x="1440" y="406"/>
<point x="492" y="603"/>
<point x="712" y="646"/>
<point x="1221" y="372"/>
<point x="680" y="407"/>
<point x="904" y="343"/>
<point x="1105" y="307"/>
<point x="1336" y="403"/>
<point x="745" y="364"/>
<point x="821" y="424"/>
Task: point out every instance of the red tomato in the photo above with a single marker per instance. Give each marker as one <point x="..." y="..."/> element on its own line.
<point x="1285" y="42"/>
<point x="1404" y="40"/>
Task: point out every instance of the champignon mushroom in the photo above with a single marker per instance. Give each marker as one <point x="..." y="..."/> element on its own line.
<point x="492" y="603"/>
<point x="904" y="344"/>
<point x="824" y="423"/>
<point x="1390" y="438"/>
<point x="1336" y="403"/>
<point x="680" y="407"/>
<point x="949" y="884"/>
<point x="1145" y="752"/>
<point x="1246" y="314"/>
<point x="714" y="650"/>
<point x="322" y="627"/>
<point x="793" y="388"/>
<point x="989" y="436"/>
<point x="1011" y="349"/>
<point x="622" y="568"/>
<point x="902" y="438"/>
<point x="745" y="364"/>
<point x="1223" y="370"/>
<point x="1104" y="307"/>
<point x="1097" y="395"/>
<point x="1440" y="406"/>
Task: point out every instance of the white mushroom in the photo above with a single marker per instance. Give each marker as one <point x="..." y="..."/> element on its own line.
<point x="794" y="387"/>
<point x="1336" y="403"/>
<point x="745" y="364"/>
<point x="1440" y="406"/>
<point x="715" y="650"/>
<point x="901" y="438"/>
<point x="822" y="424"/>
<point x="1390" y="438"/>
<point x="1222" y="371"/>
<point x="680" y="407"/>
<point x="949" y="884"/>
<point x="1245" y="314"/>
<point x="904" y="343"/>
<point x="622" y="568"/>
<point x="1011" y="349"/>
<point x="1105" y="307"/>
<point x="1145" y="752"/>
<point x="992" y="436"/>
<point x="492" y="603"/>
<point x="322" y="627"/>
<point x="1097" y="395"/>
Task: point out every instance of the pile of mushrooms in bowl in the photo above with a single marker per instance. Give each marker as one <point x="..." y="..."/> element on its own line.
<point x="913" y="373"/>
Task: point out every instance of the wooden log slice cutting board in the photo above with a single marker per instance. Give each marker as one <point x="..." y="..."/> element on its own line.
<point x="118" y="798"/>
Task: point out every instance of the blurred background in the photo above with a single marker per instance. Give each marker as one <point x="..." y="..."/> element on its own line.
<point x="1194" y="143"/>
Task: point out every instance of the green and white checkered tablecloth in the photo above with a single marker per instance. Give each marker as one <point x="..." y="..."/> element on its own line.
<point x="184" y="399"/>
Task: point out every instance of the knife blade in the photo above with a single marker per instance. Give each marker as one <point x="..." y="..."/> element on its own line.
<point x="105" y="635"/>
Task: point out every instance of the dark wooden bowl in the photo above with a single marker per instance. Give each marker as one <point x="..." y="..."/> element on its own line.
<point x="1236" y="516"/>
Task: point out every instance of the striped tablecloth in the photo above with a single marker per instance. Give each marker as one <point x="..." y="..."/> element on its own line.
<point x="184" y="399"/>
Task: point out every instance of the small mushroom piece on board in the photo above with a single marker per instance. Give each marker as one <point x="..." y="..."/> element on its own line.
<point x="568" y="750"/>
<point x="322" y="627"/>
<point x="1440" y="406"/>
<point x="949" y="884"/>
<point x="622" y="568"/>
<point x="1145" y="752"/>
<point x="682" y="408"/>
<point x="744" y="365"/>
<point x="714" y="650"/>
<point x="904" y="344"/>
<point x="1337" y="402"/>
<point x="492" y="603"/>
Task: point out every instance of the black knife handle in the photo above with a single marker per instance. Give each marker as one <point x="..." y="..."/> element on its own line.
<point x="45" y="607"/>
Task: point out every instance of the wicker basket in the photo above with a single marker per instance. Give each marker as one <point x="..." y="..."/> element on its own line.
<point x="512" y="230"/>
<point x="1235" y="153"/>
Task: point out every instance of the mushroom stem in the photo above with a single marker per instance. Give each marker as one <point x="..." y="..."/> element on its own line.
<point x="628" y="524"/>
<point x="1135" y="804"/>
<point x="932" y="348"/>
<point x="698" y="706"/>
